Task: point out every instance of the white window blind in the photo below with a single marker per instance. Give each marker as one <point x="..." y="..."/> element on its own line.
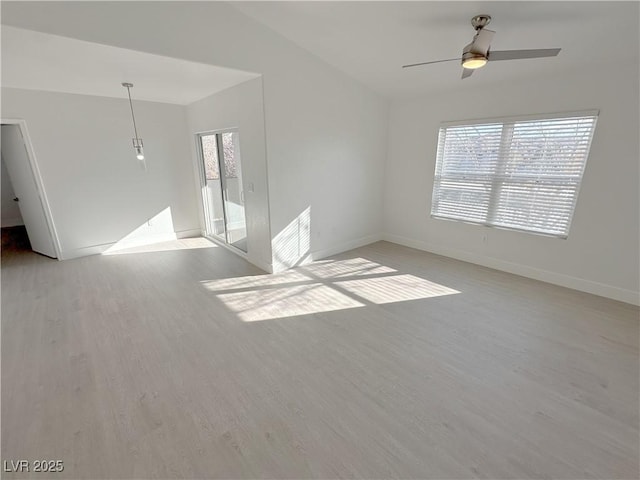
<point x="517" y="173"/>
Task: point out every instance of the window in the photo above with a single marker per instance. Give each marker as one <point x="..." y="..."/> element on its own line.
<point x="210" y="154"/>
<point x="518" y="173"/>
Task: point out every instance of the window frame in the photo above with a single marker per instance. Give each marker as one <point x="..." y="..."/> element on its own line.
<point x="507" y="123"/>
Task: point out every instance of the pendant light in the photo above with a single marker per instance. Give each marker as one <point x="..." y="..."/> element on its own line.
<point x="137" y="141"/>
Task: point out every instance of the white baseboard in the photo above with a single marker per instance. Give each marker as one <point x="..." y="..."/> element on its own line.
<point x="189" y="233"/>
<point x="343" y="247"/>
<point x="12" y="222"/>
<point x="85" y="251"/>
<point x="267" y="267"/>
<point x="589" y="286"/>
<point x="146" y="240"/>
<point x="327" y="252"/>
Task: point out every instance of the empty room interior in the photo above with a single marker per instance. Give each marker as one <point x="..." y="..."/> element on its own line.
<point x="320" y="239"/>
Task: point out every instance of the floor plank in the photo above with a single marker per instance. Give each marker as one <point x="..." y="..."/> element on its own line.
<point x="383" y="362"/>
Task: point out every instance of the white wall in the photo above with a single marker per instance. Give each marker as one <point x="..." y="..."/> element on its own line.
<point x="325" y="132"/>
<point x="326" y="144"/>
<point x="240" y="107"/>
<point x="601" y="253"/>
<point x="10" y="211"/>
<point x="99" y="194"/>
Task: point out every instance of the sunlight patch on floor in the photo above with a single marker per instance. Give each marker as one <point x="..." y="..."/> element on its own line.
<point x="395" y="288"/>
<point x="345" y="268"/>
<point x="322" y="286"/>
<point x="182" y="244"/>
<point x="273" y="303"/>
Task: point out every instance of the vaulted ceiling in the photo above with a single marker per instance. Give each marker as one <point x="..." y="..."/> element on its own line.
<point x="370" y="41"/>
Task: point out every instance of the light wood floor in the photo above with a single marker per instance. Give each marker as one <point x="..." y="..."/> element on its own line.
<point x="383" y="362"/>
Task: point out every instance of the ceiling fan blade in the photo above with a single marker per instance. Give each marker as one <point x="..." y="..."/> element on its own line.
<point x="466" y="72"/>
<point x="518" y="54"/>
<point x="427" y="63"/>
<point x="482" y="41"/>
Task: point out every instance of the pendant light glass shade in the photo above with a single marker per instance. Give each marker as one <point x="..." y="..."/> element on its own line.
<point x="137" y="141"/>
<point x="137" y="145"/>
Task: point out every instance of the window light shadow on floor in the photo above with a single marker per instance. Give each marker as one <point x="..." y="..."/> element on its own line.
<point x="321" y="286"/>
<point x="396" y="288"/>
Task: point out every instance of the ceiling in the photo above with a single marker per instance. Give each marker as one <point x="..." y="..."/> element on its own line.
<point x="370" y="41"/>
<point x="40" y="61"/>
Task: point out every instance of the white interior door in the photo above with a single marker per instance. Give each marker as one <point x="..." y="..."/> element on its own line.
<point x="14" y="154"/>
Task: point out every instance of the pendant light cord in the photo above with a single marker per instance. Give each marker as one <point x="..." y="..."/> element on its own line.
<point x="132" y="114"/>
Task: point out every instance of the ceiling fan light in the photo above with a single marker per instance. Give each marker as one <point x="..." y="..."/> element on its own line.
<point x="474" y="62"/>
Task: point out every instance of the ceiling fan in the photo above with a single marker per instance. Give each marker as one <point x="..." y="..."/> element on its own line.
<point x="478" y="53"/>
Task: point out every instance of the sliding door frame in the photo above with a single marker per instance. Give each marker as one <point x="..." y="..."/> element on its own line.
<point x="203" y="185"/>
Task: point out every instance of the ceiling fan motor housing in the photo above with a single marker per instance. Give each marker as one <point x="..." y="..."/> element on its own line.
<point x="480" y="21"/>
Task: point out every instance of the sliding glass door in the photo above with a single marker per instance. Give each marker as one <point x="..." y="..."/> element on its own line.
<point x="222" y="193"/>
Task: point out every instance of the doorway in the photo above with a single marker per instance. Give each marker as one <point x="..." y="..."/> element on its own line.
<point x="28" y="191"/>
<point x="222" y="188"/>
